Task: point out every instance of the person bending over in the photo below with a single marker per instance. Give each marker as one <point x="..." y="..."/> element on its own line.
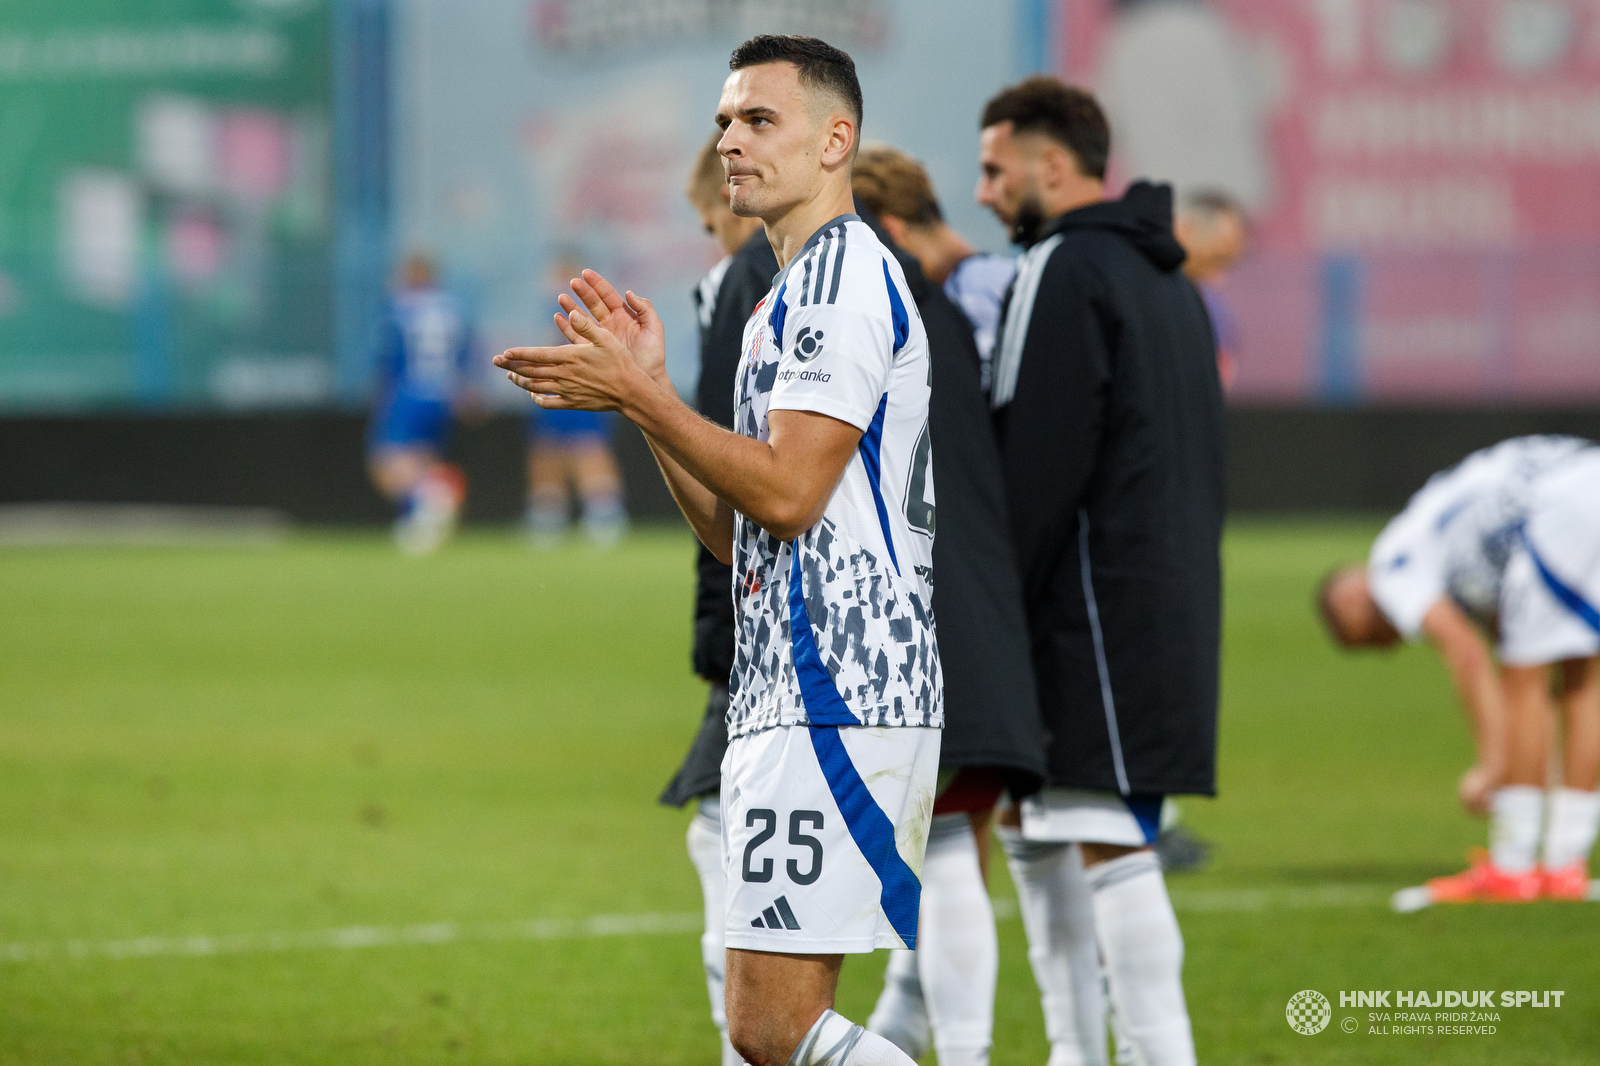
<point x="1506" y="543"/>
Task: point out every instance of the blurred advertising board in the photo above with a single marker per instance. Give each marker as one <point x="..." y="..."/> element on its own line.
<point x="1423" y="178"/>
<point x="165" y="214"/>
<point x="535" y="137"/>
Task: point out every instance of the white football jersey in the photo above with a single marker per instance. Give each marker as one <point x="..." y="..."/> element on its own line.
<point x="836" y="626"/>
<point x="1457" y="533"/>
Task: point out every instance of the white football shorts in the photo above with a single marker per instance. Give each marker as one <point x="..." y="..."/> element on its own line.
<point x="1550" y="596"/>
<point x="823" y="833"/>
<point x="1082" y="816"/>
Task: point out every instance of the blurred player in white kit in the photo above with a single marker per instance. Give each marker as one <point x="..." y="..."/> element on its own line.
<point x="1506" y="543"/>
<point x="822" y="500"/>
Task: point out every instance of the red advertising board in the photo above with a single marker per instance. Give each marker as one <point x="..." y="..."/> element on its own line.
<point x="1423" y="178"/>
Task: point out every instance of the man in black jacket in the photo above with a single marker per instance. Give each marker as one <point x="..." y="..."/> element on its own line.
<point x="724" y="301"/>
<point x="1109" y="415"/>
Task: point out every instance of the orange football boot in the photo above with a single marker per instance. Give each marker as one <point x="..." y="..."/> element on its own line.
<point x="1570" y="882"/>
<point x="1484" y="882"/>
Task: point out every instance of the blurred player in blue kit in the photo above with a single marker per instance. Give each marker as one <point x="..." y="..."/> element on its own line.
<point x="570" y="462"/>
<point x="1506" y="542"/>
<point x="822" y="500"/>
<point x="424" y="383"/>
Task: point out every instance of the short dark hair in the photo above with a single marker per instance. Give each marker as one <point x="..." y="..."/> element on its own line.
<point x="821" y="65"/>
<point x="1066" y="114"/>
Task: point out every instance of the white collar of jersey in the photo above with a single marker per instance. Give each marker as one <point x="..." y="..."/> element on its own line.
<point x="811" y="241"/>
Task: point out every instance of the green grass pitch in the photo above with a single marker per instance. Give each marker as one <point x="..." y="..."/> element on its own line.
<point x="257" y="746"/>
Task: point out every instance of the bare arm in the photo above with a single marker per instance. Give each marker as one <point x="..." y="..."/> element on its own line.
<point x="1477" y="683"/>
<point x="709" y="517"/>
<point x="782" y="484"/>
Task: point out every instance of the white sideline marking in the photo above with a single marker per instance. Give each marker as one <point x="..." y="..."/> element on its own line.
<point x="377" y="936"/>
<point x="359" y="936"/>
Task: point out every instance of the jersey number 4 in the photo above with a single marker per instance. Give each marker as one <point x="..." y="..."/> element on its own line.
<point x="797" y="819"/>
<point x="919" y="509"/>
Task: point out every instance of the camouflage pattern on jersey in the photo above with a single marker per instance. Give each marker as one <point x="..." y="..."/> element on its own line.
<point x="874" y="635"/>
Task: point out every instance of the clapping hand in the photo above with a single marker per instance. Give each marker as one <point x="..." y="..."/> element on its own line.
<point x="616" y="348"/>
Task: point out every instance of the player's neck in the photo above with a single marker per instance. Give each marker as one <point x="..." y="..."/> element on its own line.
<point x="790" y="232"/>
<point x="938" y="248"/>
<point x="1072" y="194"/>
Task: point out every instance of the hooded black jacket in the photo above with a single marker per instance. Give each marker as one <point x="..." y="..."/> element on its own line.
<point x="1112" y="448"/>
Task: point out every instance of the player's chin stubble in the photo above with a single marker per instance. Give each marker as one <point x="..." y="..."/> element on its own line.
<point x="745" y="202"/>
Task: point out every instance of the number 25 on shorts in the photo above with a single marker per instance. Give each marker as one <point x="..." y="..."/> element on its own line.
<point x="798" y="821"/>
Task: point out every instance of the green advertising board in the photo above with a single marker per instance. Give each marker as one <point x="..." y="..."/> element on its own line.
<point x="166" y="213"/>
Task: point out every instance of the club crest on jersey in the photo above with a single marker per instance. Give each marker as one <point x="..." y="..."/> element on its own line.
<point x="807" y="345"/>
<point x="753" y="356"/>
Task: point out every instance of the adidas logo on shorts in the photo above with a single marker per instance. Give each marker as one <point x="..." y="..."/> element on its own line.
<point x="778" y="916"/>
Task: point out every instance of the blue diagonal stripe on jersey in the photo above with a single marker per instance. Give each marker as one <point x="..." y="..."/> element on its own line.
<point x="1570" y="597"/>
<point x="897" y="312"/>
<point x="780" y="311"/>
<point x="871" y="449"/>
<point x="824" y="705"/>
<point x="870" y="828"/>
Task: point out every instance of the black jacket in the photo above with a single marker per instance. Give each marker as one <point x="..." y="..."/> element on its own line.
<point x="1112" y="446"/>
<point x="747" y="280"/>
<point x="990" y="710"/>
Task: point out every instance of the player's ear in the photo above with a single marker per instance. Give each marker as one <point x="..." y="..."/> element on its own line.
<point x="841" y="141"/>
<point x="1056" y="165"/>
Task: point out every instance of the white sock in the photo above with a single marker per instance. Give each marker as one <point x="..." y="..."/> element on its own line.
<point x="901" y="1016"/>
<point x="1574" y="821"/>
<point x="1058" y="915"/>
<point x="705" y="851"/>
<point x="834" y="1041"/>
<point x="958" y="953"/>
<point x="1144" y="957"/>
<point x="1514" y="813"/>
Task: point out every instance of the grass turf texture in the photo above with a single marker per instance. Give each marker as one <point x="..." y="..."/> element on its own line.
<point x="328" y="735"/>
